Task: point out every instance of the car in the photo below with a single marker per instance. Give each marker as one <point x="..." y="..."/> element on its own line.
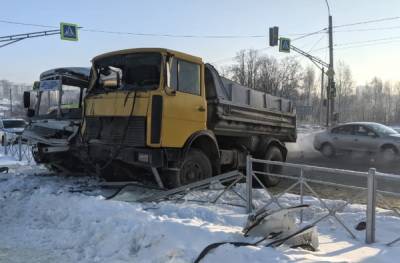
<point x="11" y="127"/>
<point x="367" y="137"/>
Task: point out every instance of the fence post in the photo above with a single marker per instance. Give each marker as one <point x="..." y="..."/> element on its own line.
<point x="19" y="148"/>
<point x="371" y="207"/>
<point x="29" y="154"/>
<point x="301" y="179"/>
<point x="249" y="184"/>
<point x="5" y="143"/>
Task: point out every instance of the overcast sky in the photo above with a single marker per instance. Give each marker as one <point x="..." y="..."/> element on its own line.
<point x="24" y="61"/>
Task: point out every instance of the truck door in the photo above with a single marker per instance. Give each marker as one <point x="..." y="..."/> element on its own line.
<point x="185" y="108"/>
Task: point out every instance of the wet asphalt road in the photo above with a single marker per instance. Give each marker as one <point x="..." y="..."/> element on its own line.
<point x="302" y="152"/>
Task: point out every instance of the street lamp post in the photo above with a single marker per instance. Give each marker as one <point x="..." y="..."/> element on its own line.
<point x="331" y="89"/>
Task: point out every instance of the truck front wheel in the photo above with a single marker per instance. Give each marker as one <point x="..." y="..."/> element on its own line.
<point x="272" y="154"/>
<point x="195" y="167"/>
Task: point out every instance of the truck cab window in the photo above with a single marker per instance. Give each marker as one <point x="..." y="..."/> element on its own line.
<point x="128" y="72"/>
<point x="185" y="76"/>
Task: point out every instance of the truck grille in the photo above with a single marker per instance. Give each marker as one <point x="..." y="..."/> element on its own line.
<point x="110" y="130"/>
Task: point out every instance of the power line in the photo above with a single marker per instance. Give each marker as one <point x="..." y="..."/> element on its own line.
<point x="25" y="24"/>
<point x="302" y="35"/>
<point x="368" y="21"/>
<point x="310" y="34"/>
<point x="369" y="44"/>
<point x="171" y="35"/>
<point x="316" y="43"/>
<point x="367" y="29"/>
<point x="368" y="41"/>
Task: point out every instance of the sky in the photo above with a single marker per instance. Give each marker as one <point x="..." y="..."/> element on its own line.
<point x="24" y="61"/>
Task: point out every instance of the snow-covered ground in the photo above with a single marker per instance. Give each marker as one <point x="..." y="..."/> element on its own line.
<point x="42" y="220"/>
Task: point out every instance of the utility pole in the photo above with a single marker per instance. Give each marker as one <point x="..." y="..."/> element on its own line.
<point x="331" y="90"/>
<point x="10" y="102"/>
<point x="321" y="96"/>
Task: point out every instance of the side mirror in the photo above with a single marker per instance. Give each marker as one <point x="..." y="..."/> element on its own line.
<point x="167" y="76"/>
<point x="30" y="113"/>
<point x="27" y="99"/>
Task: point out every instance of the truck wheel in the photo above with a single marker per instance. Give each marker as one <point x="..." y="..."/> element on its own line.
<point x="273" y="154"/>
<point x="195" y="167"/>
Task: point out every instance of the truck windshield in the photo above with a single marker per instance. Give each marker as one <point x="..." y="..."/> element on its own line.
<point x="128" y="72"/>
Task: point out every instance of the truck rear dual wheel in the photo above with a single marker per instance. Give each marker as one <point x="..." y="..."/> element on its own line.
<point x="272" y="154"/>
<point x="195" y="167"/>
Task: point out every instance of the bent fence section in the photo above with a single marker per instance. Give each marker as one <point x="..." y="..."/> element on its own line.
<point x="303" y="183"/>
<point x="16" y="146"/>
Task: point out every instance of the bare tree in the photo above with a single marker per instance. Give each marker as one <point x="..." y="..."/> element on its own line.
<point x="344" y="91"/>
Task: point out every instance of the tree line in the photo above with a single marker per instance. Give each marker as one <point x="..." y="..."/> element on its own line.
<point x="376" y="100"/>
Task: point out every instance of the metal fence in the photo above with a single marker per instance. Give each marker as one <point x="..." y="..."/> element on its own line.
<point x="16" y="146"/>
<point x="21" y="149"/>
<point x="303" y="183"/>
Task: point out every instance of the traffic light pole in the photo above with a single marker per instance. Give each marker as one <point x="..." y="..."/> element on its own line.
<point x="11" y="39"/>
<point x="322" y="65"/>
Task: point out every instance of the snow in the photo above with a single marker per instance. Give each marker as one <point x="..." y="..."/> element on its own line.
<point x="42" y="220"/>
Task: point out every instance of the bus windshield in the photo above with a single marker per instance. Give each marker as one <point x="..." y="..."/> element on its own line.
<point x="49" y="100"/>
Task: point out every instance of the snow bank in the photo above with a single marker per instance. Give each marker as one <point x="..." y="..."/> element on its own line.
<point x="42" y="221"/>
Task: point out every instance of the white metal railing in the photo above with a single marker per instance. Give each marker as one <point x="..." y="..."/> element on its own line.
<point x="371" y="192"/>
<point x="15" y="146"/>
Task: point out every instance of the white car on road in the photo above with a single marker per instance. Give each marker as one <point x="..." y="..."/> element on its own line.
<point x="9" y="128"/>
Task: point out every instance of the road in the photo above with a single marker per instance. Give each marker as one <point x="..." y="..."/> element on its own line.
<point x="302" y="152"/>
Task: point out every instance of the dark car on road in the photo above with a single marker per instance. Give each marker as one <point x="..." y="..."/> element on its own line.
<point x="367" y="137"/>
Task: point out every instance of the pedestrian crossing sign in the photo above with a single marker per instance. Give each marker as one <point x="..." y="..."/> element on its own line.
<point x="284" y="45"/>
<point x="69" y="31"/>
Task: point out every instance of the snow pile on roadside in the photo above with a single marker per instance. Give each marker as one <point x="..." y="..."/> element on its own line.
<point x="42" y="221"/>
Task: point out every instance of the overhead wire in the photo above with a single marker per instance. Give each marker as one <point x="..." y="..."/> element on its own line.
<point x="367" y="29"/>
<point x="302" y="35"/>
<point x="368" y="22"/>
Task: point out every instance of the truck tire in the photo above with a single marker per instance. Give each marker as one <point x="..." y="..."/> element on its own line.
<point x="195" y="167"/>
<point x="272" y="154"/>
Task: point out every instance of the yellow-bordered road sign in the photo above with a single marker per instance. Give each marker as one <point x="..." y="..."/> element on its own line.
<point x="69" y="31"/>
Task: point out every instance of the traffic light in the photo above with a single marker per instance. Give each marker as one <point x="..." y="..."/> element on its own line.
<point x="273" y="36"/>
<point x="333" y="90"/>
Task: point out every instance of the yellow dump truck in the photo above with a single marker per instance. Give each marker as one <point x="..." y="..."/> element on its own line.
<point x="172" y="114"/>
